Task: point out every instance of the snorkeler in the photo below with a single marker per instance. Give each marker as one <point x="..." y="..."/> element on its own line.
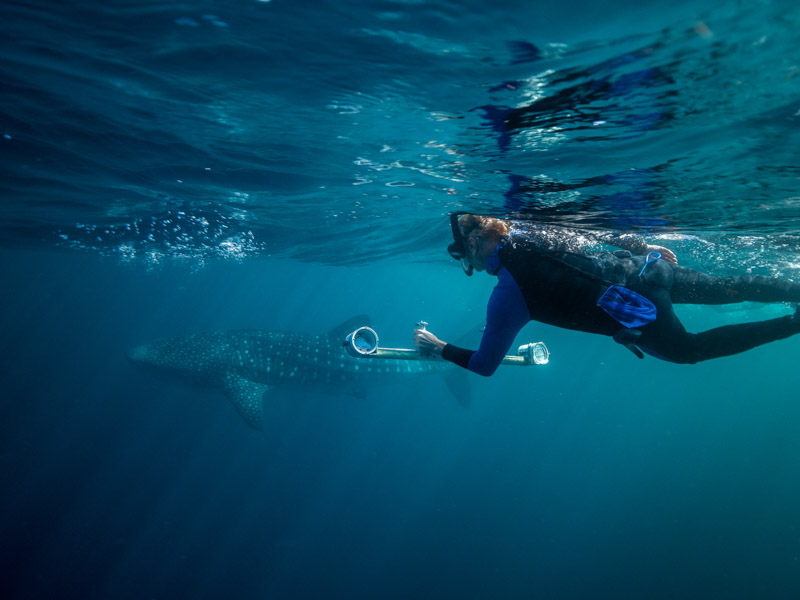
<point x="548" y="275"/>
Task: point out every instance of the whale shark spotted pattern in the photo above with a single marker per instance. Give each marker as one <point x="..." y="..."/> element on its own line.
<point x="246" y="363"/>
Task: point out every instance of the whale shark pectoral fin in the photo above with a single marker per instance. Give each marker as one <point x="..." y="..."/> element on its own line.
<point x="245" y="395"/>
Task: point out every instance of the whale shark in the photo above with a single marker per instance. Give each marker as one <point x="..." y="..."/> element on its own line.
<point x="246" y="363"/>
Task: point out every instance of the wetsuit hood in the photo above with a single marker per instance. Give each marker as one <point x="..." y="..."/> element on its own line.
<point x="493" y="262"/>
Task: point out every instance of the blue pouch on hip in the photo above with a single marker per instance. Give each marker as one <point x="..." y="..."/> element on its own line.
<point x="627" y="307"/>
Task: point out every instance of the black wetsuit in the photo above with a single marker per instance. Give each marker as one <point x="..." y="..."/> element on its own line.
<point x="540" y="280"/>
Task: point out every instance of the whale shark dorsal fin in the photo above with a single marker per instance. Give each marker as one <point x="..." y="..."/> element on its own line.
<point x="245" y="395"/>
<point x="342" y="330"/>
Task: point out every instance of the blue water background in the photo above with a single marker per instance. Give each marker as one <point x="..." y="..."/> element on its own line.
<point x="172" y="168"/>
<point x="594" y="476"/>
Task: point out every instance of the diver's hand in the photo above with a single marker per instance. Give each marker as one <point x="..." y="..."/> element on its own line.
<point x="667" y="254"/>
<point x="427" y="343"/>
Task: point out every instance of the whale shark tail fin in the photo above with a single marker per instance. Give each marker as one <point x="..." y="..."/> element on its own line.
<point x="245" y="395"/>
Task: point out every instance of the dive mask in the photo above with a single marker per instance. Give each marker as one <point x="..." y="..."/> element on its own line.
<point x="458" y="249"/>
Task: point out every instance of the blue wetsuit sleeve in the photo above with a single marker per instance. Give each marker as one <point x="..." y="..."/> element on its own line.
<point x="506" y="314"/>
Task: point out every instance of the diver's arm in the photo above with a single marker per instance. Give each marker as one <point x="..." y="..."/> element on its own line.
<point x="636" y="244"/>
<point x="667" y="254"/>
<point x="506" y="314"/>
<point x="566" y="239"/>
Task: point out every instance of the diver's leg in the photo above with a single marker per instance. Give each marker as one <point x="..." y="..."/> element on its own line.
<point x="693" y="287"/>
<point x="667" y="338"/>
<point x="673" y="342"/>
<point x="733" y="339"/>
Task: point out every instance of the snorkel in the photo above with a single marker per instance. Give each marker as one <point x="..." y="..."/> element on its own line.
<point x="458" y="249"/>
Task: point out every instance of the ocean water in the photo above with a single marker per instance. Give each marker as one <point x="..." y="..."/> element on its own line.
<point x="171" y="168"/>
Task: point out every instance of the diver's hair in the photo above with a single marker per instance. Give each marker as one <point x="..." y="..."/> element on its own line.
<point x="482" y="227"/>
